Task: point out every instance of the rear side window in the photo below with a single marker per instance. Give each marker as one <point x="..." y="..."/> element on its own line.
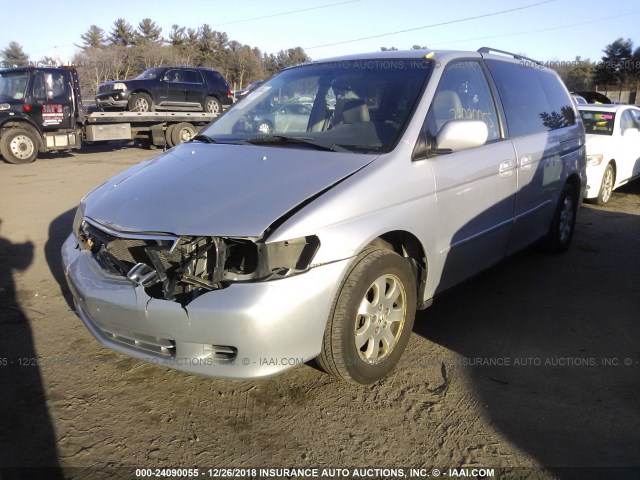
<point x="534" y="99"/>
<point x="191" y="76"/>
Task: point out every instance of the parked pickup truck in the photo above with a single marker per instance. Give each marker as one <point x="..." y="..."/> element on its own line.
<point x="41" y="111"/>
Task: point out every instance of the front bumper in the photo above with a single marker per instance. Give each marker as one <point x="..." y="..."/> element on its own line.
<point x="116" y="98"/>
<point x="595" y="173"/>
<point x="273" y="326"/>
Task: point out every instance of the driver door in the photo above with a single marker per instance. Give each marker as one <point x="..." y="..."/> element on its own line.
<point x="51" y="99"/>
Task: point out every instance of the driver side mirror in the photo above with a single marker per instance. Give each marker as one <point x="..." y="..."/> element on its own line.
<point x="461" y="135"/>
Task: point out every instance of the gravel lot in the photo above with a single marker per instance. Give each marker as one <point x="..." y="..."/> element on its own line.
<point x="523" y="368"/>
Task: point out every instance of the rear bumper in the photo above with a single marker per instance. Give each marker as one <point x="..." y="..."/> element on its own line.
<point x="271" y="326"/>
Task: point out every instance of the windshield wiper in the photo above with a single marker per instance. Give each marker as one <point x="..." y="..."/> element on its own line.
<point x="283" y="139"/>
<point x="203" y="139"/>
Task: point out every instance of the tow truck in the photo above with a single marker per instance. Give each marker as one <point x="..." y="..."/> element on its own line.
<point x="41" y="111"/>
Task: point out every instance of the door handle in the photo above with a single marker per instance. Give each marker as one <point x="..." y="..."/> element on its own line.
<point x="525" y="162"/>
<point x="505" y="169"/>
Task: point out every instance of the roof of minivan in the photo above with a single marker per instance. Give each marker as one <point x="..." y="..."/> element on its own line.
<point x="439" y="55"/>
<point x="391" y="54"/>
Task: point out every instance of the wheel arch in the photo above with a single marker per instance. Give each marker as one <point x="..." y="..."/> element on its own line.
<point x="575" y="182"/>
<point x="407" y="245"/>
<point x="25" y="124"/>
<point x="141" y="90"/>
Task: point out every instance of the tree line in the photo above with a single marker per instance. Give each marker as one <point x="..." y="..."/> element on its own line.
<point x="618" y="69"/>
<point x="125" y="51"/>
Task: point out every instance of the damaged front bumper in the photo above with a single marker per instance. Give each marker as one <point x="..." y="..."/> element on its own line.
<point x="246" y="330"/>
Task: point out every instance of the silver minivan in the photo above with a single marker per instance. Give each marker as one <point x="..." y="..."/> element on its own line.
<point x="379" y="181"/>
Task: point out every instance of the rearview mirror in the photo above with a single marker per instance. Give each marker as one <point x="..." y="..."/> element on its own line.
<point x="462" y="134"/>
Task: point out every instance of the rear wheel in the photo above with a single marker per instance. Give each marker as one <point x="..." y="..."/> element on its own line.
<point x="608" y="179"/>
<point x="564" y="221"/>
<point x="371" y="319"/>
<point x="182" y="132"/>
<point x="168" y="134"/>
<point x="212" y="105"/>
<point x="140" y="102"/>
<point x="19" y="146"/>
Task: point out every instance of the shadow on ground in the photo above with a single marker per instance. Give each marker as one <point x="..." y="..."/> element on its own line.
<point x="27" y="436"/>
<point x="553" y="347"/>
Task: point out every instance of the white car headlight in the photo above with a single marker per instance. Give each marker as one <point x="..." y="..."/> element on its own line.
<point x="119" y="86"/>
<point x="594" y="160"/>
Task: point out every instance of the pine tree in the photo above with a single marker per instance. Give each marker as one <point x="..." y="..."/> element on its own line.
<point x="93" y="38"/>
<point x="14" y="55"/>
<point x="122" y="33"/>
<point x="148" y="32"/>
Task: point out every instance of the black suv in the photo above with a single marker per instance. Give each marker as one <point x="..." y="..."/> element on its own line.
<point x="168" y="88"/>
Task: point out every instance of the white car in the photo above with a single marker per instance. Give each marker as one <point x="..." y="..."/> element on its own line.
<point x="613" y="148"/>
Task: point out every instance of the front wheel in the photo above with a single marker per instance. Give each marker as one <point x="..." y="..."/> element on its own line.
<point x="371" y="319"/>
<point x="608" y="179"/>
<point x="19" y="146"/>
<point x="264" y="127"/>
<point x="564" y="221"/>
<point x="140" y="102"/>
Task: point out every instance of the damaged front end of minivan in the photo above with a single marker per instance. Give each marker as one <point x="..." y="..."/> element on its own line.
<point x="181" y="268"/>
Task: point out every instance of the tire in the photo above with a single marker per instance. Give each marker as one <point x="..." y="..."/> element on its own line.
<point x="140" y="102"/>
<point x="367" y="332"/>
<point x="212" y="105"/>
<point x="264" y="127"/>
<point x="608" y="180"/>
<point x="182" y="132"/>
<point x="564" y="222"/>
<point x="168" y="135"/>
<point x="19" y="146"/>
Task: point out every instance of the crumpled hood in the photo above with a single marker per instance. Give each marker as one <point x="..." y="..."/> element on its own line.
<point x="214" y="189"/>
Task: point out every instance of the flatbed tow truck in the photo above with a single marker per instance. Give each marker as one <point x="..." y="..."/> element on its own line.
<point x="41" y="111"/>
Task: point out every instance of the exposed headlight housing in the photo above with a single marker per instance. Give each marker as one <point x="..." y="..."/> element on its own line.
<point x="77" y="220"/>
<point x="119" y="86"/>
<point x="594" y="160"/>
<point x="182" y="268"/>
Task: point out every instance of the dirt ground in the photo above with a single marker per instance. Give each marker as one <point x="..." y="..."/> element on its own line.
<point x="531" y="368"/>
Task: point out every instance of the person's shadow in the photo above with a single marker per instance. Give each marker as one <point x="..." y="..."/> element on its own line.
<point x="27" y="438"/>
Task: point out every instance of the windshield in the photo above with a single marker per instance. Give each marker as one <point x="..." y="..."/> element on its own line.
<point x="150" y="74"/>
<point x="360" y="105"/>
<point x="13" y="84"/>
<point x="598" y="122"/>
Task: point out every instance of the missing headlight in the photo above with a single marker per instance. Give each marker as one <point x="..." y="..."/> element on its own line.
<point x="182" y="268"/>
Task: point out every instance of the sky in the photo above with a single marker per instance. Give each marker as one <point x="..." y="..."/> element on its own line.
<point x="556" y="30"/>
